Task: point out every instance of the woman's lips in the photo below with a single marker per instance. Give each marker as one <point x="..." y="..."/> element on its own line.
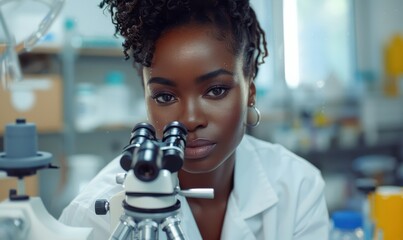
<point x="198" y="148"/>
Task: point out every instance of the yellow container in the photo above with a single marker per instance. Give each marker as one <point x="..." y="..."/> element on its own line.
<point x="393" y="57"/>
<point x="388" y="212"/>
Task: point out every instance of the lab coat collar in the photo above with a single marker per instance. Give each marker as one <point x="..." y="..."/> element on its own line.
<point x="251" y="200"/>
<point x="245" y="201"/>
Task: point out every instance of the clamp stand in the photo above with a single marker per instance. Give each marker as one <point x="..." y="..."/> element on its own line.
<point x="21" y="157"/>
<point x="21" y="216"/>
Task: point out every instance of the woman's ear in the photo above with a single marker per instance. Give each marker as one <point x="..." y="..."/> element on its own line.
<point x="252" y="93"/>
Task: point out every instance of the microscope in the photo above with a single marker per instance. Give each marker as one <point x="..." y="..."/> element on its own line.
<point x="149" y="200"/>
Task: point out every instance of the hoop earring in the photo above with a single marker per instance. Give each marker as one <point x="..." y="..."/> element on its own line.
<point x="253" y="115"/>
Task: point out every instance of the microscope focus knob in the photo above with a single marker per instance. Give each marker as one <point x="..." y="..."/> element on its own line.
<point x="101" y="206"/>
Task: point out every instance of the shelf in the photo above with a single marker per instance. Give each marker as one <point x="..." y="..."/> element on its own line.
<point x="109" y="128"/>
<point x="86" y="51"/>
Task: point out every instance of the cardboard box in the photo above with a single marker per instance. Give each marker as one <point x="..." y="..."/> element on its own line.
<point x="7" y="183"/>
<point x="38" y="99"/>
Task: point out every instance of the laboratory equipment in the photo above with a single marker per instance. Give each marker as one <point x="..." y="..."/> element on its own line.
<point x="380" y="167"/>
<point x="149" y="199"/>
<point x="347" y="225"/>
<point x="10" y="69"/>
<point x="22" y="216"/>
<point x="9" y="65"/>
<point x="388" y="212"/>
<point x="367" y="187"/>
<point x="87" y="108"/>
<point x="115" y="99"/>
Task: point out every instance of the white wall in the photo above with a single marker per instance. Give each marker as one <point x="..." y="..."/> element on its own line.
<point x="377" y="22"/>
<point x="91" y="19"/>
<point x="24" y="17"/>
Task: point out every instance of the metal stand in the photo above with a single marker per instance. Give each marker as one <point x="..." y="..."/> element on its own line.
<point x="145" y="225"/>
<point x="21" y="216"/>
<point x="149" y="200"/>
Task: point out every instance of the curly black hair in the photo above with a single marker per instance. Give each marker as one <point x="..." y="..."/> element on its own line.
<point x="141" y="23"/>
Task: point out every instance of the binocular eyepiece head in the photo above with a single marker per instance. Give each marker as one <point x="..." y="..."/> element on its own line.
<point x="146" y="155"/>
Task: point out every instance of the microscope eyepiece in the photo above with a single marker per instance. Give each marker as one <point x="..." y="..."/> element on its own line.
<point x="176" y="129"/>
<point x="175" y="142"/>
<point x="147" y="161"/>
<point x="141" y="132"/>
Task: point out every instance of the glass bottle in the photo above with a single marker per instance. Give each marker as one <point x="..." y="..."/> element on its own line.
<point x="115" y="97"/>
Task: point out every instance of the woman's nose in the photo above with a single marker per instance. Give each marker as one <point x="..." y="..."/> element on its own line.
<point x="193" y="116"/>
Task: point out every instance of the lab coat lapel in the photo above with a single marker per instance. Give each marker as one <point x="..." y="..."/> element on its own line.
<point x="253" y="192"/>
<point x="252" y="195"/>
<point x="188" y="222"/>
<point x="235" y="226"/>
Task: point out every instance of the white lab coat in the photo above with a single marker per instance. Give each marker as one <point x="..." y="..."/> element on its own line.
<point x="277" y="196"/>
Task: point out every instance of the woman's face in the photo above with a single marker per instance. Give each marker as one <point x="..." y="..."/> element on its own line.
<point x="195" y="79"/>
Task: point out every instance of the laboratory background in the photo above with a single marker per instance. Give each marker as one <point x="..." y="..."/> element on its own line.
<point x="331" y="91"/>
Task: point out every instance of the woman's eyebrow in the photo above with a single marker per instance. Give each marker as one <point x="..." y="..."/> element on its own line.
<point x="202" y="78"/>
<point x="213" y="74"/>
<point x="161" y="80"/>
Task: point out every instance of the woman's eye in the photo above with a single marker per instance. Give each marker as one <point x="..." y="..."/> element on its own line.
<point x="217" y="92"/>
<point x="164" y="98"/>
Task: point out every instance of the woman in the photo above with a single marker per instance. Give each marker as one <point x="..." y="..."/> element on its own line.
<point x="198" y="60"/>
